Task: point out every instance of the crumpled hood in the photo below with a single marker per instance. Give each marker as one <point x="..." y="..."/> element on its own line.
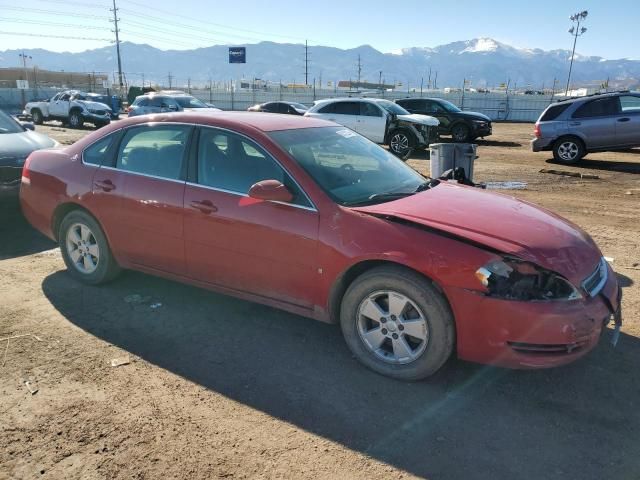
<point x="422" y="119"/>
<point x="502" y="223"/>
<point x="19" y="145"/>
<point x="94" y="105"/>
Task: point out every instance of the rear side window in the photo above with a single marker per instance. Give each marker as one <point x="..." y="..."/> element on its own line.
<point x="95" y="154"/>
<point x="370" y="110"/>
<point x="629" y="103"/>
<point x="347" y="108"/>
<point x="554" y="112"/>
<point x="156" y="151"/>
<point x="597" y="108"/>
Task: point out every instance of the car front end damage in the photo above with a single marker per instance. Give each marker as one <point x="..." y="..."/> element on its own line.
<point x="527" y="317"/>
<point x="425" y="132"/>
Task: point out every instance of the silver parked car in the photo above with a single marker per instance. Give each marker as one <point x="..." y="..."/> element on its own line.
<point x="603" y="122"/>
<point x="167" y="102"/>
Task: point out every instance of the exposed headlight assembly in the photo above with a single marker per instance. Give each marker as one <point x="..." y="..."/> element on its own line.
<point x="515" y="279"/>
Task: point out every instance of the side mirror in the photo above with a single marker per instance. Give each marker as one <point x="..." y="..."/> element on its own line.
<point x="28" y="126"/>
<point x="271" y="190"/>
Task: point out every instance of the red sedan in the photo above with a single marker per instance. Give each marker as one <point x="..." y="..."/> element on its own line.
<point x="312" y="218"/>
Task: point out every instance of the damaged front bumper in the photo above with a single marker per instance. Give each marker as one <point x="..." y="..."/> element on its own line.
<point x="533" y="334"/>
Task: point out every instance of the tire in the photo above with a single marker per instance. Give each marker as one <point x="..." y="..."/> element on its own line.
<point x="568" y="150"/>
<point x="75" y="119"/>
<point x="37" y="116"/>
<point x="461" y="133"/>
<point x="401" y="143"/>
<point x="85" y="249"/>
<point x="387" y="345"/>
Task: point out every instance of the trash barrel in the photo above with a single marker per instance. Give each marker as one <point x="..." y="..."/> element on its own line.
<point x="445" y="156"/>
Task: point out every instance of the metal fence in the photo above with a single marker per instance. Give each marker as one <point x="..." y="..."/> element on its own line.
<point x="497" y="106"/>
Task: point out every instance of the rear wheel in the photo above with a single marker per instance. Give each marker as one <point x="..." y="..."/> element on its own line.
<point x="401" y="143"/>
<point x="37" y="117"/>
<point x="461" y="133"/>
<point x="396" y="323"/>
<point x="568" y="150"/>
<point x="85" y="249"/>
<point x="75" y="119"/>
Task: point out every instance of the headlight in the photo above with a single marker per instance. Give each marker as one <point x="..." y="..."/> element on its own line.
<point x="515" y="279"/>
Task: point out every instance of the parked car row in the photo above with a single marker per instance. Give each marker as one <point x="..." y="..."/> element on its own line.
<point x="312" y="217"/>
<point x="167" y="101"/>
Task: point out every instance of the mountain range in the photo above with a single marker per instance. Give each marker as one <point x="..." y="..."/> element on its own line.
<point x="484" y="62"/>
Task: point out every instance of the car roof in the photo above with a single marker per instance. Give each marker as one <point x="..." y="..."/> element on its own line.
<point x="594" y="96"/>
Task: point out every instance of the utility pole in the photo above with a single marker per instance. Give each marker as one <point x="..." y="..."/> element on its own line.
<point x="117" y="32"/>
<point x="170" y="78"/>
<point x="429" y="80"/>
<point x="575" y="33"/>
<point x="189" y="85"/>
<point x="24" y="69"/>
<point x="421" y="83"/>
<point x="435" y="81"/>
<point x="380" y="80"/>
<point x="306" y="63"/>
<point x="359" y="70"/>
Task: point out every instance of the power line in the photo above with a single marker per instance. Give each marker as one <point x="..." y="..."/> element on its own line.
<point x="66" y="37"/>
<point x="53" y="24"/>
<point x="53" y="12"/>
<point x="76" y="4"/>
<point x="161" y="30"/>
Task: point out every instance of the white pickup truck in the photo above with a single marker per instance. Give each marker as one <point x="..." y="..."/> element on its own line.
<point x="70" y="107"/>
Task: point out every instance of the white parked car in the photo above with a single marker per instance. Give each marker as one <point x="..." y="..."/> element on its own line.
<point x="381" y="121"/>
<point x="70" y="107"/>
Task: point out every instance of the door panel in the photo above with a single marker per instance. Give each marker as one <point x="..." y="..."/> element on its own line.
<point x="628" y="122"/>
<point x="372" y="122"/>
<point x="595" y="122"/>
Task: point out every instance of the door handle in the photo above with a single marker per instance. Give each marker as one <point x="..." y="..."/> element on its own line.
<point x="575" y="124"/>
<point x="332" y="119"/>
<point x="625" y="119"/>
<point x="205" y="206"/>
<point x="105" y="185"/>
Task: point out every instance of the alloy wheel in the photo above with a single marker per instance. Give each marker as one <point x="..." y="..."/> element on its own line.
<point x="82" y="248"/>
<point x="399" y="143"/>
<point x="392" y="327"/>
<point x="568" y="151"/>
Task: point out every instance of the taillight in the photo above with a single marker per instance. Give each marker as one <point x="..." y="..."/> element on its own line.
<point x="536" y="130"/>
<point x="129" y="109"/>
<point x="25" y="171"/>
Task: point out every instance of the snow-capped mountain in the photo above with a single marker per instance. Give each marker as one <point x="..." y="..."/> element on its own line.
<point x="482" y="61"/>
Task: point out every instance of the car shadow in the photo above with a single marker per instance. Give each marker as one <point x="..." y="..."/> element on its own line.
<point x="623" y="280"/>
<point x="486" y="143"/>
<point x="607" y="165"/>
<point x="17" y="236"/>
<point x="467" y="421"/>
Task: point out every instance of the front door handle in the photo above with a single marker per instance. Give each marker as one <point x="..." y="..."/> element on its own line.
<point x="105" y="185"/>
<point x="205" y="206"/>
<point x="625" y="119"/>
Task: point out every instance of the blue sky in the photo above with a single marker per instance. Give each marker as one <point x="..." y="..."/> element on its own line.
<point x="612" y="32"/>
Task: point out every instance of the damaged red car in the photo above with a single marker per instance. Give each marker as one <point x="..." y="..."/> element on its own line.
<point x="310" y="217"/>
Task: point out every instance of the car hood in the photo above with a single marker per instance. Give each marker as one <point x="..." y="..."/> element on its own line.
<point x="94" y="105"/>
<point x="19" y="145"/>
<point x="474" y="116"/>
<point x="422" y="119"/>
<point x="501" y="223"/>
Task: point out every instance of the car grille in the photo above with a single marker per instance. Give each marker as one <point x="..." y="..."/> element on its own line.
<point x="548" y="349"/>
<point x="98" y="112"/>
<point x="596" y="280"/>
<point x="9" y="175"/>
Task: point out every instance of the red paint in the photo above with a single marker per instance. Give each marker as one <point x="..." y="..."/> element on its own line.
<point x="292" y="258"/>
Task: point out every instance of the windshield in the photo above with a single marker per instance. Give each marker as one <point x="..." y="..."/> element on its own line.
<point x="392" y="107"/>
<point x="8" y="124"/>
<point x="79" y="96"/>
<point x="347" y="166"/>
<point x="191" y="102"/>
<point x="448" y="106"/>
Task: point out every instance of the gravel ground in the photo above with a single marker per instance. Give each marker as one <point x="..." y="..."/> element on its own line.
<point x="221" y="388"/>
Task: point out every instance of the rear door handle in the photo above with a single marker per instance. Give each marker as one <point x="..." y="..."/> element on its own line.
<point x="105" y="185"/>
<point x="205" y="206"/>
<point x="625" y="119"/>
<point x="575" y="124"/>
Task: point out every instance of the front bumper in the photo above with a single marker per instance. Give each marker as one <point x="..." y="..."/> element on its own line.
<point x="10" y="181"/>
<point x="482" y="130"/>
<point x="517" y="334"/>
<point x="96" y="118"/>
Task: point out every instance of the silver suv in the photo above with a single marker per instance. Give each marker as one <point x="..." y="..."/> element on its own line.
<point x="603" y="122"/>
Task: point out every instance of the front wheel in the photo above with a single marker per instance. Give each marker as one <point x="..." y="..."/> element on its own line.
<point x="75" y="120"/>
<point x="401" y="144"/>
<point x="460" y="133"/>
<point x="37" y="117"/>
<point x="397" y="323"/>
<point x="85" y="249"/>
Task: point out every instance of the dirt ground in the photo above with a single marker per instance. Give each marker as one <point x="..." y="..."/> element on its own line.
<point x="221" y="388"/>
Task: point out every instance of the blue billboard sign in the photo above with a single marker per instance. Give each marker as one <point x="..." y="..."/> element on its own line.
<point x="237" y="54"/>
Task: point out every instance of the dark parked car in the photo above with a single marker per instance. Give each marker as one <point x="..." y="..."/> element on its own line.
<point x="17" y="141"/>
<point x="574" y="127"/>
<point x="310" y="217"/>
<point x="463" y="126"/>
<point x="292" y="108"/>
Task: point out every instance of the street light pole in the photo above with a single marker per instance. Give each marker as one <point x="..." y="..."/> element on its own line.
<point x="575" y="32"/>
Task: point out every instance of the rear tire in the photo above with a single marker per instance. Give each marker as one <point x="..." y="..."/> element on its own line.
<point x="397" y="323"/>
<point x="37" y="117"/>
<point x="85" y="249"/>
<point x="568" y="150"/>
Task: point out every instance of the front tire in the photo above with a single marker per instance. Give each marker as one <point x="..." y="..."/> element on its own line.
<point x="85" y="249"/>
<point x="401" y="144"/>
<point x="568" y="150"/>
<point x="75" y="120"/>
<point x="37" y="117"/>
<point x="461" y="133"/>
<point x="397" y="323"/>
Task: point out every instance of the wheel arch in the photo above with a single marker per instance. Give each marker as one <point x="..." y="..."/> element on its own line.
<point x="575" y="136"/>
<point x="63" y="210"/>
<point x="348" y="276"/>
